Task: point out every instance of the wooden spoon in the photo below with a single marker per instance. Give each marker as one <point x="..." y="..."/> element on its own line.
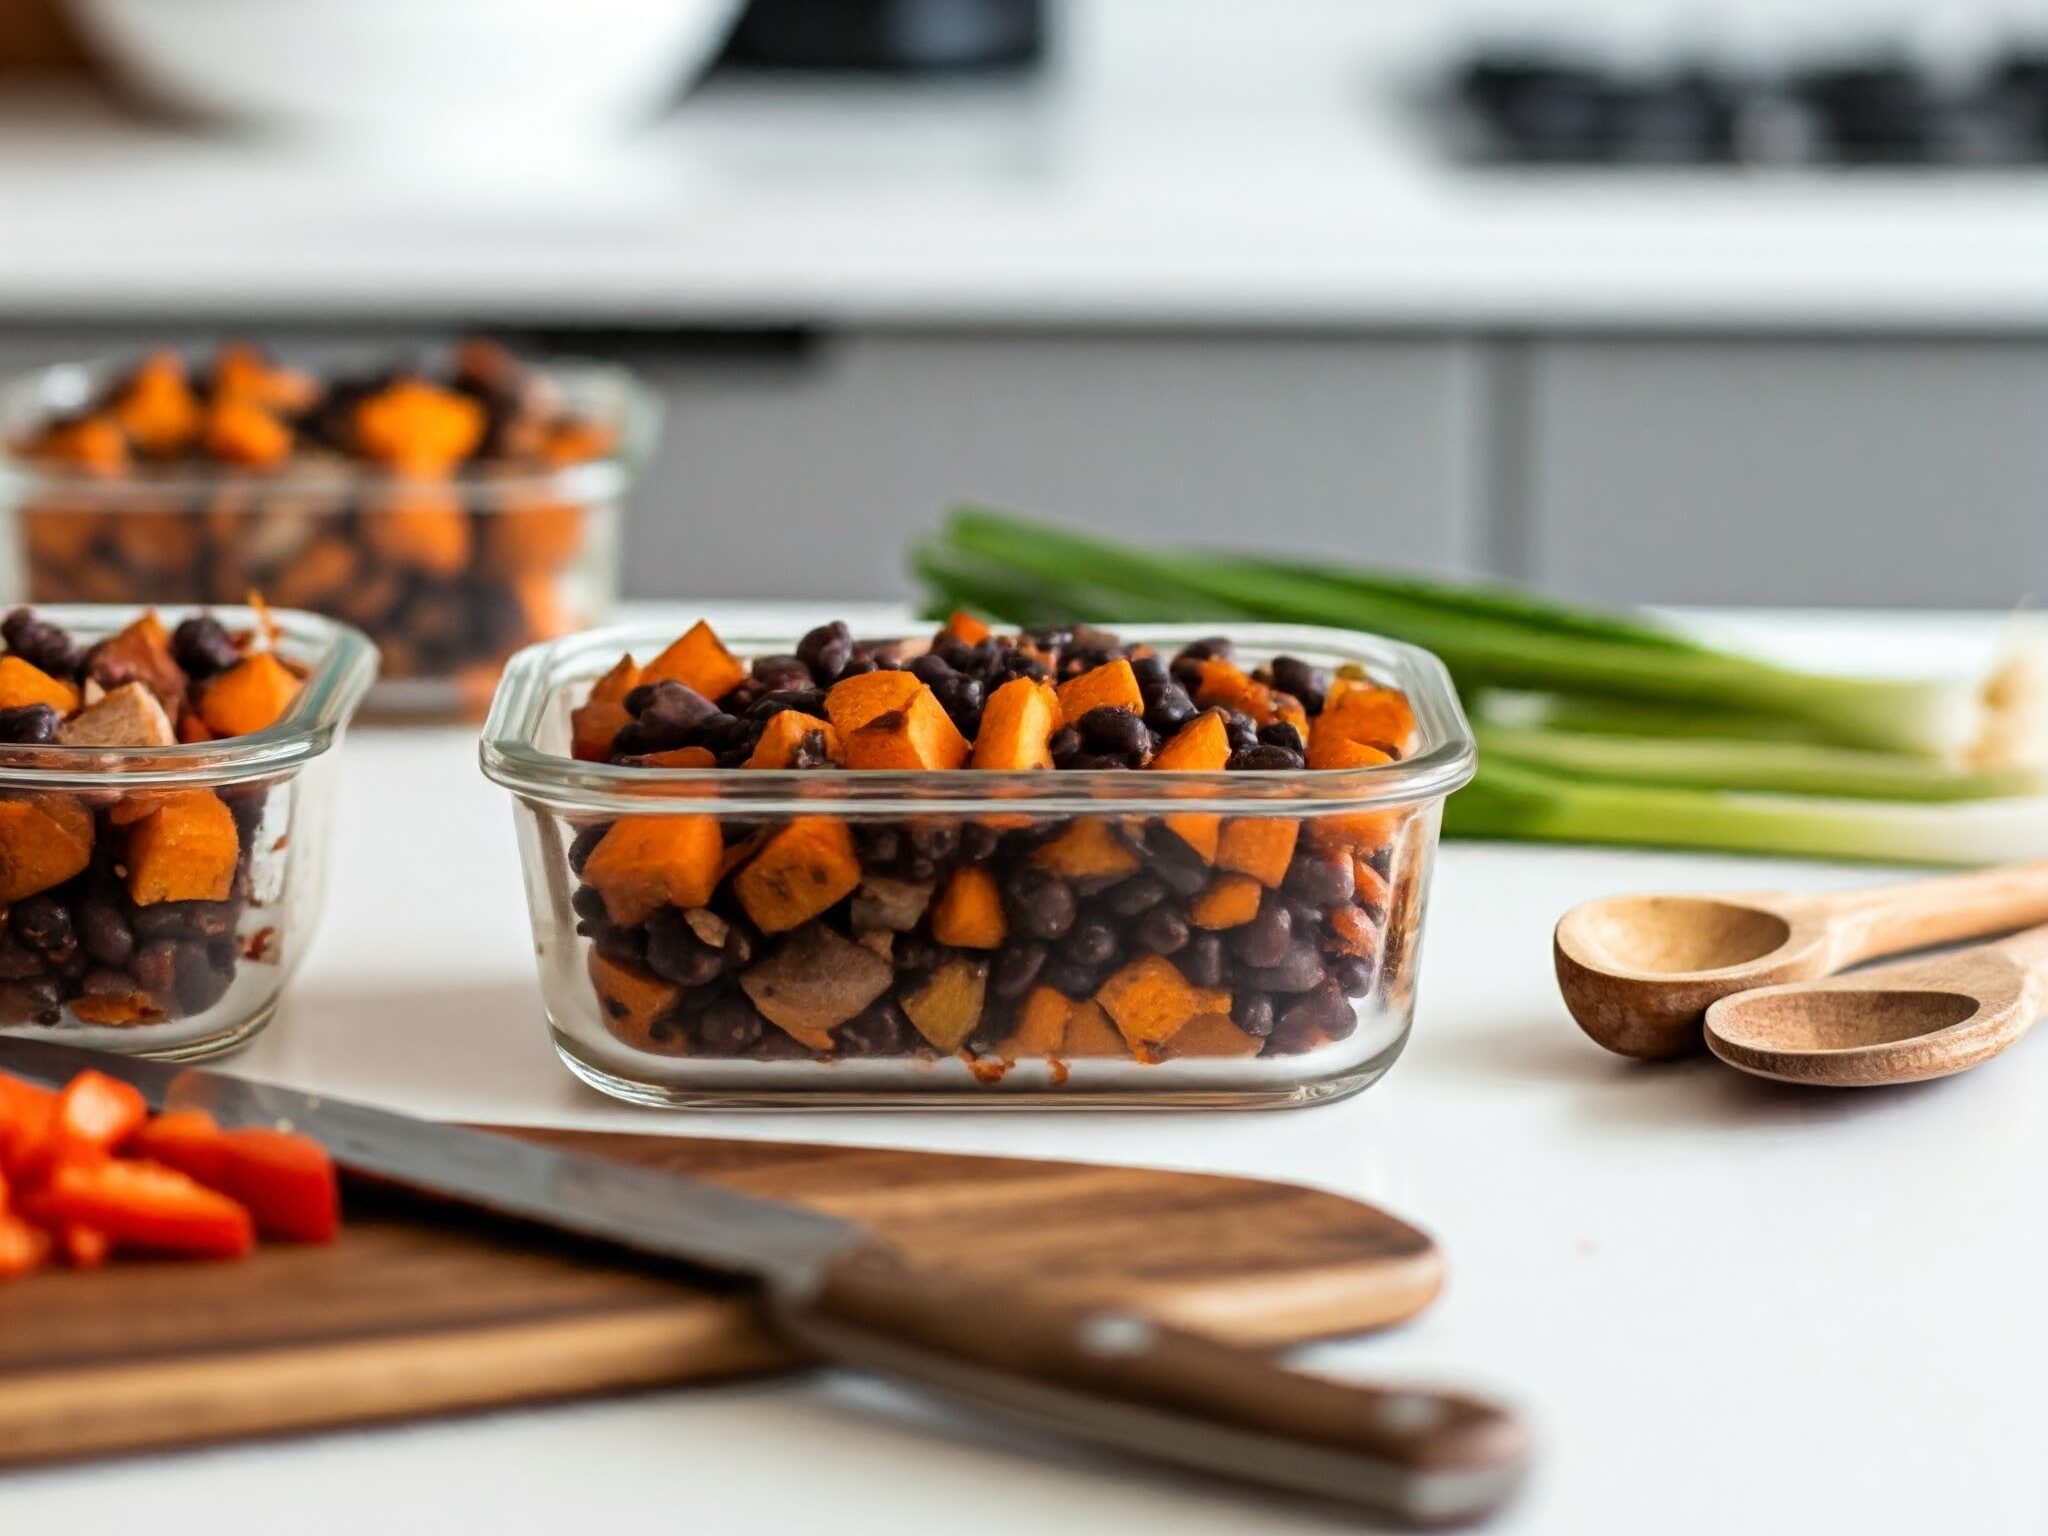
<point x="1639" y="972"/>
<point x="1897" y="1024"/>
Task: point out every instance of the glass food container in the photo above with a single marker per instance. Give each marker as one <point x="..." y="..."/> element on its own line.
<point x="1347" y="851"/>
<point x="176" y="980"/>
<point x="448" y="574"/>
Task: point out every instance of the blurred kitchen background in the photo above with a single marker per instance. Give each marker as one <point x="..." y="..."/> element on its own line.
<point x="1718" y="301"/>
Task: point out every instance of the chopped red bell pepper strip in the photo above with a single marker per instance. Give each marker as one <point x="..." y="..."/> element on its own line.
<point x="28" y="1123"/>
<point x="287" y="1182"/>
<point x="96" y="1113"/>
<point x="145" y="1205"/>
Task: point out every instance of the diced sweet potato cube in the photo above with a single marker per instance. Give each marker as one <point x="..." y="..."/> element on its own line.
<point x="544" y="538"/>
<point x="130" y="716"/>
<point x="1088" y="849"/>
<point x="185" y="850"/>
<point x="1373" y="890"/>
<point x="1041" y="1027"/>
<point x="594" y="722"/>
<point x="252" y="695"/>
<point x="919" y="735"/>
<point x="854" y="701"/>
<point x="785" y="733"/>
<point x="675" y="757"/>
<point x="22" y="684"/>
<point x="1200" y="746"/>
<point x="242" y="372"/>
<point x="44" y="841"/>
<point x="1090" y="1034"/>
<point x="92" y="443"/>
<point x="700" y="661"/>
<point x="157" y="408"/>
<point x="947" y="1007"/>
<point x="419" y="428"/>
<point x="1357" y="833"/>
<point x="1113" y="685"/>
<point x="1327" y="749"/>
<point x="805" y="867"/>
<point x="644" y="862"/>
<point x="1212" y="1034"/>
<point x="633" y="1000"/>
<point x="240" y="430"/>
<point x="814" y="982"/>
<point x="969" y="911"/>
<point x="1017" y="724"/>
<point x="1361" y="711"/>
<point x="577" y="441"/>
<point x="1259" y="846"/>
<point x="1149" y="1000"/>
<point x="965" y="627"/>
<point x="425" y="530"/>
<point x="1231" y="902"/>
<point x="117" y="1009"/>
<point x="1353" y="932"/>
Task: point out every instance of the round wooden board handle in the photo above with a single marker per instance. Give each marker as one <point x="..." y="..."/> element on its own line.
<point x="1125" y="1382"/>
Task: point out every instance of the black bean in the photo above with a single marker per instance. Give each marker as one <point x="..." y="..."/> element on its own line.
<point x="185" y="920"/>
<point x="935" y="840"/>
<point x="1110" y="729"/>
<point x="1352" y="974"/>
<point x="104" y="933"/>
<point x="1323" y="879"/>
<point x="1187" y="671"/>
<point x="881" y="1030"/>
<point x="1323" y="1012"/>
<point x="675" y="953"/>
<point x="154" y="967"/>
<point x="41" y="644"/>
<point x="1210" y="648"/>
<point x="669" y="706"/>
<point x="30" y="1002"/>
<point x="826" y="650"/>
<point x="1065" y="745"/>
<point x="1281" y="733"/>
<point x="18" y="962"/>
<point x="29" y="725"/>
<point x="1240" y="730"/>
<point x="1261" y="758"/>
<point x="42" y="921"/>
<point x="774" y="1045"/>
<point x="915" y="953"/>
<point x="1039" y="904"/>
<point x="200" y="980"/>
<point x="729" y="1026"/>
<point x="202" y="646"/>
<point x="1140" y="893"/>
<point x="588" y="902"/>
<point x="918" y="867"/>
<point x="1015" y="970"/>
<point x="929" y="669"/>
<point x="1169" y="709"/>
<point x="1092" y="944"/>
<point x="1151" y="672"/>
<point x="879" y="845"/>
<point x="860" y="666"/>
<point x="804" y="699"/>
<point x="741" y="945"/>
<point x="616" y="943"/>
<point x="978" y="842"/>
<point x="776" y="673"/>
<point x="1252" y="1012"/>
<point x="1162" y="930"/>
<point x="1202" y="960"/>
<point x="1297" y="971"/>
<point x="1267" y="939"/>
<point x="1177" y="865"/>
<point x="584" y="844"/>
<point x="1071" y="980"/>
<point x="1310" y="685"/>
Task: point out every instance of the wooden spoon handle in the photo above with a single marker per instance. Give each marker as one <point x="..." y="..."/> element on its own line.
<point x="1887" y="919"/>
<point x="1122" y="1381"/>
<point x="2030" y="949"/>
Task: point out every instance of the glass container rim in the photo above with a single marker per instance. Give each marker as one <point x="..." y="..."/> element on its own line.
<point x="27" y="398"/>
<point x="510" y="757"/>
<point x="344" y="664"/>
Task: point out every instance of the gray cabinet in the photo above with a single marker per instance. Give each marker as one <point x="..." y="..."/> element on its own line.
<point x="1775" y="471"/>
<point x="806" y="475"/>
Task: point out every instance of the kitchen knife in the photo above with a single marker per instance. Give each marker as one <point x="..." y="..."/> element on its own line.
<point x="1112" y="1378"/>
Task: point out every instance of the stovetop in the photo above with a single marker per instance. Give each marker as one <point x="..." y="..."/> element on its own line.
<point x="1528" y="107"/>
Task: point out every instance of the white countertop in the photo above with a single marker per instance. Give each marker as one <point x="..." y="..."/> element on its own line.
<point x="1189" y="163"/>
<point x="1727" y="1306"/>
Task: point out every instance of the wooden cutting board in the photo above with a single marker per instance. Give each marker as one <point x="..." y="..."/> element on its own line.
<point x="421" y="1311"/>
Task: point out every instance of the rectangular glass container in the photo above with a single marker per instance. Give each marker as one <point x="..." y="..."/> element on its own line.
<point x="184" y="979"/>
<point x="536" y="556"/>
<point x="1147" y="1032"/>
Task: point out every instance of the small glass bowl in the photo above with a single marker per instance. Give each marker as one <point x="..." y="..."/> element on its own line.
<point x="1130" y="1030"/>
<point x="186" y="979"/>
<point x="536" y="555"/>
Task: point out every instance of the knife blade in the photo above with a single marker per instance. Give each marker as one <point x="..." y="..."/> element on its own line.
<point x="1115" y="1379"/>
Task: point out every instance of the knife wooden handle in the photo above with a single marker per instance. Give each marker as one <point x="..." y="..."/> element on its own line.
<point x="1122" y="1381"/>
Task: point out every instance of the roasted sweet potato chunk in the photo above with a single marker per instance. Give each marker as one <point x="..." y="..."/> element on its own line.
<point x="1041" y="1028"/>
<point x="1211" y="1035"/>
<point x="854" y="701"/>
<point x="157" y="408"/>
<point x="633" y="1000"/>
<point x="1090" y="1034"/>
<point x="784" y="736"/>
<point x="425" y="530"/>
<point x="593" y="723"/>
<point x="418" y="428"/>
<point x="1089" y="849"/>
<point x="239" y="430"/>
<point x="969" y="913"/>
<point x="22" y="684"/>
<point x="1229" y="903"/>
<point x="965" y="627"/>
<point x="645" y="862"/>
<point x="946" y="1009"/>
<point x="92" y="443"/>
<point x="805" y="867"/>
<point x="919" y="735"/>
<point x="1017" y="724"/>
<point x="1361" y="711"/>
<point x="1113" y="685"/>
<point x="1259" y="846"/>
<point x="1150" y="1001"/>
<point x="252" y="695"/>
<point x="1200" y="746"/>
<point x="184" y="850"/>
<point x="44" y="841"/>
<point x="700" y="661"/>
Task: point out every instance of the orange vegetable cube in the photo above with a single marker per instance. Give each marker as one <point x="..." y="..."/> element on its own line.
<point x="419" y="428"/>
<point x="785" y="733"/>
<point x="44" y="841"/>
<point x="1231" y="902"/>
<point x="1090" y="1034"/>
<point x="919" y="735"/>
<point x="1017" y="724"/>
<point x="157" y="408"/>
<point x="1088" y="848"/>
<point x="854" y="701"/>
<point x="184" y="850"/>
<point x="644" y="862"/>
<point x="1041" y="1027"/>
<point x="969" y="911"/>
<point x="805" y="867"/>
<point x="94" y="443"/>
<point x="1259" y="846"/>
<point x="633" y="1001"/>
<point x="425" y="530"/>
<point x="1113" y="685"/>
<point x="1361" y="711"/>
<point x="599" y="718"/>
<point x="22" y="684"/>
<point x="965" y="627"/>
<point x="1212" y="1035"/>
<point x="700" y="662"/>
<point x="1149" y="1000"/>
<point x="1200" y="746"/>
<point x="249" y="696"/>
<point x="240" y="431"/>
